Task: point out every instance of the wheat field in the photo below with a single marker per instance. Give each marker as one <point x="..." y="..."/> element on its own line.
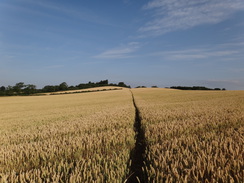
<point x="66" y="138"/>
<point x="95" y="89"/>
<point x="191" y="136"/>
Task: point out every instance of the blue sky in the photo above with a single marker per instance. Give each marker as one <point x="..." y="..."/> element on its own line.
<point x="140" y="42"/>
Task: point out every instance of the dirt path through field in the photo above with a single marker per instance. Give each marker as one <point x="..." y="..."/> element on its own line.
<point x="138" y="154"/>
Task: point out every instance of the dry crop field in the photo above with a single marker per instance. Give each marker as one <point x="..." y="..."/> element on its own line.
<point x="66" y="138"/>
<point x="95" y="89"/>
<point x="191" y="136"/>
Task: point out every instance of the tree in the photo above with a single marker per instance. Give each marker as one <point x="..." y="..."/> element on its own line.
<point x="9" y="90"/>
<point x="49" y="88"/>
<point x="141" y="87"/>
<point x="30" y="89"/>
<point x="103" y="82"/>
<point x="18" y="87"/>
<point x="72" y="88"/>
<point x="63" y="86"/>
<point x="122" y="84"/>
<point x="2" y="88"/>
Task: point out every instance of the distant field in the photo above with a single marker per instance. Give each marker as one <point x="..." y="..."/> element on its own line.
<point x="104" y="88"/>
<point x="191" y="136"/>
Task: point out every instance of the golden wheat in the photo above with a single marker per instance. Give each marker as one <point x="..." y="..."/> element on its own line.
<point x="69" y="138"/>
<point x="193" y="136"/>
<point x="95" y="89"/>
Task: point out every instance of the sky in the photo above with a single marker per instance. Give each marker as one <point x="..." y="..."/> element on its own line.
<point x="139" y="42"/>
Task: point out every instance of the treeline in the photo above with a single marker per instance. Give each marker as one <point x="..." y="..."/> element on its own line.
<point x="194" y="88"/>
<point x="29" y="89"/>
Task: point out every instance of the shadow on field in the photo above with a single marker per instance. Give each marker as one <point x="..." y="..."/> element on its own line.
<point x="138" y="160"/>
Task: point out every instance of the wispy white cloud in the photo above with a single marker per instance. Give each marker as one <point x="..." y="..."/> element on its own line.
<point x="218" y="52"/>
<point x="57" y="11"/>
<point x="127" y="1"/>
<point x="83" y="14"/>
<point x="172" y="15"/>
<point x="121" y="52"/>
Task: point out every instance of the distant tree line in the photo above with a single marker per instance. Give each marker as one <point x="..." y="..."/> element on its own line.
<point x="154" y="86"/>
<point x="29" y="89"/>
<point x="19" y="89"/>
<point x="194" y="88"/>
<point x="146" y="87"/>
<point x="141" y="87"/>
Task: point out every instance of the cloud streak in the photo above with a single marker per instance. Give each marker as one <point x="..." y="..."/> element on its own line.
<point x="57" y="11"/>
<point x="219" y="52"/>
<point x="173" y="15"/>
<point x="121" y="52"/>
